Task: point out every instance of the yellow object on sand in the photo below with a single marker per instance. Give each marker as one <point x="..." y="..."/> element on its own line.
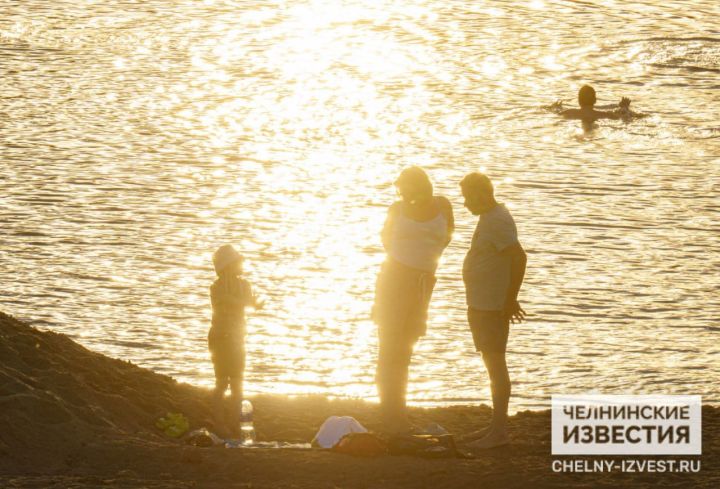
<point x="174" y="425"/>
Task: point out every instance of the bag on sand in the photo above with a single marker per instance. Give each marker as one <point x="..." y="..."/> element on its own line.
<point x="361" y="445"/>
<point x="428" y="446"/>
<point x="203" y="438"/>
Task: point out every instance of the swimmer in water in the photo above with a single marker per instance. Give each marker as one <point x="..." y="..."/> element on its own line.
<point x="587" y="112"/>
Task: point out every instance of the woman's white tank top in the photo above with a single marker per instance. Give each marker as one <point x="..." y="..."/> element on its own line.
<point x="418" y="244"/>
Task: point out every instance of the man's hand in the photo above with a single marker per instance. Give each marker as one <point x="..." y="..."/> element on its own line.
<point x="624" y="103"/>
<point x="514" y="312"/>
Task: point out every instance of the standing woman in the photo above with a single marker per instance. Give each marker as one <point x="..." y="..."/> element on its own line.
<point x="416" y="231"/>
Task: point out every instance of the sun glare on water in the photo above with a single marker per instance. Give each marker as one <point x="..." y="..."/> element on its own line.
<point x="336" y="101"/>
<point x="165" y="130"/>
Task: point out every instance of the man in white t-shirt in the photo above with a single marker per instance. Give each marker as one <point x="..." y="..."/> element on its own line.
<point x="493" y="272"/>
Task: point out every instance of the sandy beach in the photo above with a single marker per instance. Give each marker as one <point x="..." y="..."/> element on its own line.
<point x="72" y="418"/>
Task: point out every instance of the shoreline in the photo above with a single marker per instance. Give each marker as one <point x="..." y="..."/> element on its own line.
<point x="71" y="417"/>
<point x="207" y="385"/>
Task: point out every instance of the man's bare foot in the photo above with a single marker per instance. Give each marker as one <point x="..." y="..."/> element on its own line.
<point x="475" y="435"/>
<point x="493" y="439"/>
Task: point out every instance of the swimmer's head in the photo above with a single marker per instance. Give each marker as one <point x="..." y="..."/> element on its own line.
<point x="586" y="96"/>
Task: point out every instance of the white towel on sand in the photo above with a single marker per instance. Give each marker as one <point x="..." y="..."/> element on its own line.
<point x="334" y="428"/>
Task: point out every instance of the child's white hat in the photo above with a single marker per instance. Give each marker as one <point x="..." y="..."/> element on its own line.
<point x="224" y="256"/>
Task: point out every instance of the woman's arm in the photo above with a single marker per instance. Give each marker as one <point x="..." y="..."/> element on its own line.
<point x="386" y="233"/>
<point x="446" y="209"/>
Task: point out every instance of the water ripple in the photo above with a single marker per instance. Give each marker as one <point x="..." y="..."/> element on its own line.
<point x="137" y="137"/>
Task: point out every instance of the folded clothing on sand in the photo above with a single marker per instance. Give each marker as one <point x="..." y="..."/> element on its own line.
<point x="334" y="428"/>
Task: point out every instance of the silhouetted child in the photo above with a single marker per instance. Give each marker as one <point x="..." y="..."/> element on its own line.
<point x="587" y="112"/>
<point x="229" y="294"/>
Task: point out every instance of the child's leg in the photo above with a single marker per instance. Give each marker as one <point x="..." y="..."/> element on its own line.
<point x="236" y="387"/>
<point x="221" y="384"/>
<point x="236" y="397"/>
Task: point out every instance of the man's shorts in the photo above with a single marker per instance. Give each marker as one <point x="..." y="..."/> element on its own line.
<point x="490" y="330"/>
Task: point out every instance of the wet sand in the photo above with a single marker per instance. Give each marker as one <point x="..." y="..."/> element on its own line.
<point x="72" y="418"/>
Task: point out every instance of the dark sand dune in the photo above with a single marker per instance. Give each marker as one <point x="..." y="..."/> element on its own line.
<point x="70" y="417"/>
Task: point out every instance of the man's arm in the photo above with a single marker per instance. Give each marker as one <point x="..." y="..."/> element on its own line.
<point x="615" y="115"/>
<point x="518" y="262"/>
<point x="594" y="114"/>
<point x="622" y="112"/>
<point x="623" y="104"/>
<point x="571" y="114"/>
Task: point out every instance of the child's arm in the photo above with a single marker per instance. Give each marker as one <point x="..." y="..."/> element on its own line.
<point x="252" y="300"/>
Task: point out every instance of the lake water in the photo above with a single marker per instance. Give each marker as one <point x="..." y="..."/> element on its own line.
<point x="136" y="137"/>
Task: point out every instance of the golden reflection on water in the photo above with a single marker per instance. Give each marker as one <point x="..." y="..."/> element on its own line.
<point x="280" y="127"/>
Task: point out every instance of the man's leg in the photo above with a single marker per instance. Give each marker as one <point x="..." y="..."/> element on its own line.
<point x="496" y="434"/>
<point x="500" y="387"/>
<point x="490" y="332"/>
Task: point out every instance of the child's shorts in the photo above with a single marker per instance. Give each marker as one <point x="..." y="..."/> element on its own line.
<point x="228" y="354"/>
